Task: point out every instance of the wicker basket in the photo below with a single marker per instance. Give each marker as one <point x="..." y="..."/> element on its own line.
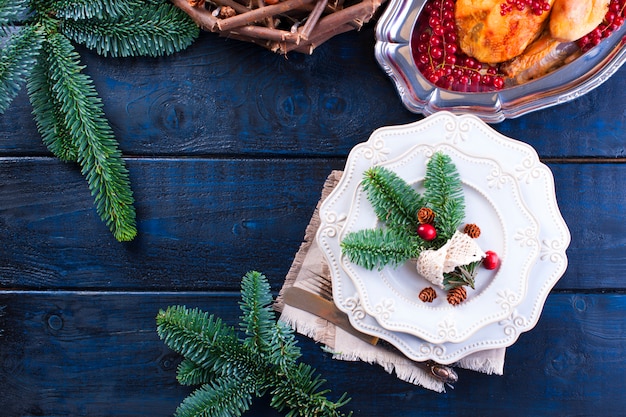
<point x="281" y="26"/>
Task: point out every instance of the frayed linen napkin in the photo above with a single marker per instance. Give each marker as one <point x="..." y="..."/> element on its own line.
<point x="310" y="273"/>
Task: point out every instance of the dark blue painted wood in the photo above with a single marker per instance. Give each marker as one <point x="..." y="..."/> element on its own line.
<point x="98" y="354"/>
<point x="204" y="221"/>
<point x="226" y="97"/>
<point x="228" y="146"/>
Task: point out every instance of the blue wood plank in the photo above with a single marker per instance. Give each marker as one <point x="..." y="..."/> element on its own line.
<point x="204" y="221"/>
<point x="227" y="97"/>
<point x="97" y="354"/>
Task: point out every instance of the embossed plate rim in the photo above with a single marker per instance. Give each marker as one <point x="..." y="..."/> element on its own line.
<point x="550" y="266"/>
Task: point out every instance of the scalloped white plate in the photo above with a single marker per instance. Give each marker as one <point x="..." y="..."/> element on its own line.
<point x="471" y="137"/>
<point x="494" y="202"/>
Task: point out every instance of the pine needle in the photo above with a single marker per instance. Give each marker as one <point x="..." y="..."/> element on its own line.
<point x="444" y="193"/>
<point x="231" y="369"/>
<point x="97" y="151"/>
<point x="66" y="107"/>
<point x="151" y="30"/>
<point x="17" y="57"/>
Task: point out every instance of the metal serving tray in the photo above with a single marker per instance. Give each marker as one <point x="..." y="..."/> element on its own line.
<point x="393" y="53"/>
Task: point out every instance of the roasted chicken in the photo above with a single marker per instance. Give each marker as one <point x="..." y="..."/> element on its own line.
<point x="490" y="37"/>
<point x="527" y="45"/>
<point x="572" y="19"/>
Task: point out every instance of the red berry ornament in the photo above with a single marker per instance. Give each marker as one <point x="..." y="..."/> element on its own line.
<point x="491" y="260"/>
<point x="427" y="231"/>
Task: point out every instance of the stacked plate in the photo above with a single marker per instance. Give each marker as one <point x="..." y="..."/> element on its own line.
<point x="508" y="193"/>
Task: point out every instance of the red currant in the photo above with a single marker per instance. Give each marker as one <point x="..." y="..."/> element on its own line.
<point x="491" y="260"/>
<point x="427" y="231"/>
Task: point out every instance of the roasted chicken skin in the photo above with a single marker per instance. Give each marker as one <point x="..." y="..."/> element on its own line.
<point x="572" y="19"/>
<point x="485" y="34"/>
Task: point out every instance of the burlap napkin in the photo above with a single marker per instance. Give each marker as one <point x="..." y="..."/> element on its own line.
<point x="310" y="272"/>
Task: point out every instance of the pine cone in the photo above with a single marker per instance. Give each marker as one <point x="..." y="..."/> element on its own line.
<point x="427" y="295"/>
<point x="226" y="12"/>
<point x="472" y="230"/>
<point x="457" y="295"/>
<point x="425" y="215"/>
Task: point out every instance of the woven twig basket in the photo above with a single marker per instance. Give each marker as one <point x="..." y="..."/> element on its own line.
<point x="281" y="26"/>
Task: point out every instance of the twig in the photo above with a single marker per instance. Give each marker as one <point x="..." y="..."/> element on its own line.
<point x="203" y="18"/>
<point x="315" y="15"/>
<point x="259" y="14"/>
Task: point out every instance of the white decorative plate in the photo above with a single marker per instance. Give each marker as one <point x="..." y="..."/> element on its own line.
<point x="469" y="136"/>
<point x="493" y="201"/>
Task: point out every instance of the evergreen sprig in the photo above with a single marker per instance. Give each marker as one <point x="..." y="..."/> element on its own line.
<point x="375" y="248"/>
<point x="231" y="370"/>
<point x="396" y="205"/>
<point x="38" y="52"/>
<point x="444" y="193"/>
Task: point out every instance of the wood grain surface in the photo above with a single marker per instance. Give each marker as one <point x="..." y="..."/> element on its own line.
<point x="228" y="146"/>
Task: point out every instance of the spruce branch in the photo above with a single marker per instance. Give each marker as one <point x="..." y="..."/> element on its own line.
<point x="396" y="205"/>
<point x="67" y="110"/>
<point x="375" y="248"/>
<point x="461" y="275"/>
<point x="394" y="200"/>
<point x="46" y="111"/>
<point x="223" y="397"/>
<point x="190" y="373"/>
<point x="100" y="159"/>
<point x="17" y="58"/>
<point x="150" y="30"/>
<point x="12" y="11"/>
<point x="230" y="369"/>
<point x="444" y="193"/>
<point x="88" y="9"/>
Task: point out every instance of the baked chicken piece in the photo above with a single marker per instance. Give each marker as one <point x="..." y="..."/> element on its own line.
<point x="569" y="21"/>
<point x="491" y="37"/>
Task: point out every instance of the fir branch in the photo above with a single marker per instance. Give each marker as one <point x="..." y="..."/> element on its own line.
<point x="12" y="11"/>
<point x="444" y="193"/>
<point x="88" y="9"/>
<point x="461" y="275"/>
<point x="232" y="369"/>
<point x="98" y="154"/>
<point x="190" y="373"/>
<point x="299" y="392"/>
<point x="258" y="316"/>
<point x="151" y="30"/>
<point x="17" y="58"/>
<point x="375" y="248"/>
<point x="395" y="202"/>
<point x="49" y="119"/>
<point x="223" y="397"/>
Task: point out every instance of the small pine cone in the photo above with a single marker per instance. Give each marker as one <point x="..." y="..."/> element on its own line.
<point x="457" y="295"/>
<point x="226" y="12"/>
<point x="472" y="230"/>
<point x="425" y="215"/>
<point x="196" y="3"/>
<point x="427" y="295"/>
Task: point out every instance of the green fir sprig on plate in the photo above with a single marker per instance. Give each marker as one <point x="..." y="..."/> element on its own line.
<point x="232" y="369"/>
<point x="414" y="224"/>
<point x="396" y="205"/>
<point x="38" y="51"/>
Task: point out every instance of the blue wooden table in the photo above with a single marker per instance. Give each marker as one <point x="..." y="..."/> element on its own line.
<point x="228" y="146"/>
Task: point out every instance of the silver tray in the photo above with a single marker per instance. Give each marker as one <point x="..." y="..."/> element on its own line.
<point x="393" y="53"/>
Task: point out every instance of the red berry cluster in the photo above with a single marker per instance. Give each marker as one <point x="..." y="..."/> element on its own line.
<point x="537" y="7"/>
<point x="439" y="58"/>
<point x="613" y="19"/>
